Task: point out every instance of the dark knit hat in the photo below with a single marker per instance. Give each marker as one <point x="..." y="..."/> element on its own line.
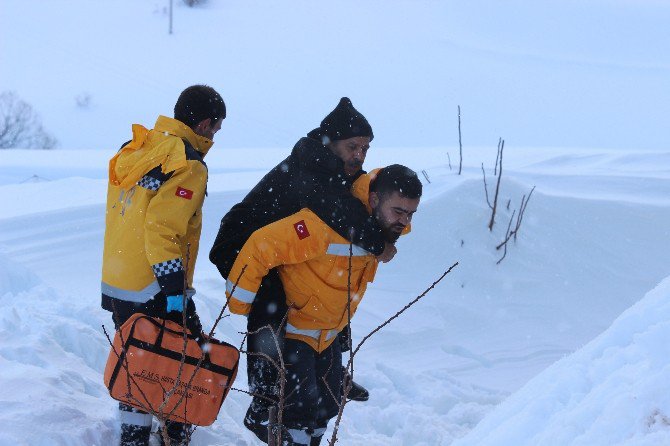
<point x="343" y="123"/>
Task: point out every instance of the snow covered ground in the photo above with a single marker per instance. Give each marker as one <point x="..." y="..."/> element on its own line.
<point x="592" y="243"/>
<point x="487" y="357"/>
<point x="611" y="392"/>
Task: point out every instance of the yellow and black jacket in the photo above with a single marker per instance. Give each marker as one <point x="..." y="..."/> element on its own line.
<point x="157" y="185"/>
<point x="313" y="264"/>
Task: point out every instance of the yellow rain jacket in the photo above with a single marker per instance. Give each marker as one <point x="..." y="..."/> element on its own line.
<point x="157" y="185"/>
<point x="313" y="264"/>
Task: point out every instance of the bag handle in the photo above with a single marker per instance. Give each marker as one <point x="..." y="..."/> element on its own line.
<point x="161" y="332"/>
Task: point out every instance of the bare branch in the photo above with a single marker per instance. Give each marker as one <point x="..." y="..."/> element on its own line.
<point x="225" y="305"/>
<point x="486" y="188"/>
<point x="348" y="384"/>
<point x="272" y="422"/>
<point x="495" y="168"/>
<point x="131" y="379"/>
<point x="507" y="237"/>
<point x="508" y="234"/>
<point x="513" y="232"/>
<point x="405" y="308"/>
<point x="425" y="174"/>
<point x="522" y="212"/>
<point x="495" y="198"/>
<point x="281" y="369"/>
<point x="460" y="144"/>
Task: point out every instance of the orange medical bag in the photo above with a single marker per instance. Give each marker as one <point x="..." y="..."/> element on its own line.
<point x="144" y="364"/>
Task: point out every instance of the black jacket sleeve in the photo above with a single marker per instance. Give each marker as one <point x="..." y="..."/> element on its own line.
<point x="270" y="200"/>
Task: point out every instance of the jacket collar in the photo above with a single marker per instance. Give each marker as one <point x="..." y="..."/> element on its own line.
<point x="177" y="128"/>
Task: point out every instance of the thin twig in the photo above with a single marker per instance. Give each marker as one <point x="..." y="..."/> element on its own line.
<point x="495" y="198"/>
<point x="486" y="188"/>
<point x="495" y="168"/>
<point x="425" y="174"/>
<point x="507" y="237"/>
<point x="508" y="234"/>
<point x="522" y="212"/>
<point x="352" y="355"/>
<point x="131" y="379"/>
<point x="460" y="144"/>
<point x="168" y="395"/>
<point x="346" y="388"/>
<point x="405" y="308"/>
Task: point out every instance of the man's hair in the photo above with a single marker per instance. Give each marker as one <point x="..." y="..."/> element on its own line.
<point x="397" y="178"/>
<point x="197" y="103"/>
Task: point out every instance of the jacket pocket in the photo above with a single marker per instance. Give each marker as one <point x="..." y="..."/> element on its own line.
<point x="339" y="278"/>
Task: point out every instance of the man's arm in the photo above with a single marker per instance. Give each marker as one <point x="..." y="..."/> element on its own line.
<point x="294" y="239"/>
<point x="347" y="215"/>
<point x="167" y="220"/>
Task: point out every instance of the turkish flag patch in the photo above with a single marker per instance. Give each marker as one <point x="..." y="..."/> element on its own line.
<point x="184" y="193"/>
<point x="301" y="229"/>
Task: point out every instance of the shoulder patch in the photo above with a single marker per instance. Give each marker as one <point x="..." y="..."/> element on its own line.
<point x="301" y="229"/>
<point x="184" y="193"/>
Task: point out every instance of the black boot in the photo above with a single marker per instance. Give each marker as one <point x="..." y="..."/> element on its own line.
<point x="256" y="420"/>
<point x="357" y="392"/>
<point x="133" y="435"/>
<point x="177" y="433"/>
<point x="135" y="426"/>
<point x="302" y="437"/>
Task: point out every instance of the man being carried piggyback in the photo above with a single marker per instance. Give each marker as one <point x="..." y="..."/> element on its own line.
<point x="318" y="174"/>
<point x="313" y="265"/>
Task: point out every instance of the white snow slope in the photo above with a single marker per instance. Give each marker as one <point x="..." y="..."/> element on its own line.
<point x="593" y="242"/>
<point x="611" y="392"/>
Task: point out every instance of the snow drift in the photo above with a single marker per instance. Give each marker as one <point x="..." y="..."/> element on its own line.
<point x="611" y="392"/>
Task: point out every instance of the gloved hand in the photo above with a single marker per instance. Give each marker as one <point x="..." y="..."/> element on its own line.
<point x="175" y="303"/>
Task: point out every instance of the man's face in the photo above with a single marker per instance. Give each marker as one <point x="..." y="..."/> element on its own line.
<point x="393" y="212"/>
<point x="352" y="151"/>
<point x="208" y="128"/>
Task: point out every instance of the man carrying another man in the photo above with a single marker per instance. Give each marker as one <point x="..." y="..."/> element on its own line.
<point x="324" y="277"/>
<point x="317" y="175"/>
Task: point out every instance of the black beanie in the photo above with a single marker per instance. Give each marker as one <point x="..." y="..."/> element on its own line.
<point x="344" y="122"/>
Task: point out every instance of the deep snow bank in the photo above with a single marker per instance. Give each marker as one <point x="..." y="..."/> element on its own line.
<point x="611" y="392"/>
<point x="50" y="356"/>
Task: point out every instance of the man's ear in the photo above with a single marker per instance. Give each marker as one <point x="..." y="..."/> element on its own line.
<point x="202" y="125"/>
<point x="373" y="199"/>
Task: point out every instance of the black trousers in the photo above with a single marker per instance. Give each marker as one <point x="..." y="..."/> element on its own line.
<point x="313" y="384"/>
<point x="268" y="309"/>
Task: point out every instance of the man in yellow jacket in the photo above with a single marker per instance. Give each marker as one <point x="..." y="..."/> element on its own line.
<point x="324" y="278"/>
<point x="157" y="185"/>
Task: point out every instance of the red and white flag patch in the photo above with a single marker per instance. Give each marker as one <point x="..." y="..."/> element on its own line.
<point x="184" y="193"/>
<point x="301" y="229"/>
